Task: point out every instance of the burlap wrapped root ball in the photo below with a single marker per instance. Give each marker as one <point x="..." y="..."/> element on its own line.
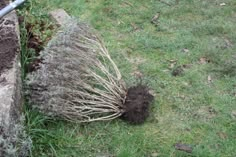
<point x="78" y="81"/>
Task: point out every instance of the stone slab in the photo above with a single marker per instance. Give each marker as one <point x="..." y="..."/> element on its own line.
<point x="60" y="16"/>
<point x="10" y="71"/>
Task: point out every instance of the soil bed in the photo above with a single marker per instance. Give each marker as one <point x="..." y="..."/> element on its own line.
<point x="34" y="42"/>
<point x="137" y="104"/>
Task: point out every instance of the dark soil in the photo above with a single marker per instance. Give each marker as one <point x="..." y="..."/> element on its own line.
<point x="36" y="44"/>
<point x="9" y="45"/>
<point x="34" y="41"/>
<point x="137" y="104"/>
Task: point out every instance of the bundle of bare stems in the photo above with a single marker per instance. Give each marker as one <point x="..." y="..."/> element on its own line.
<point x="78" y="81"/>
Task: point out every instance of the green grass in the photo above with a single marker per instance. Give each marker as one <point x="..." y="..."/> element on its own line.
<point x="187" y="108"/>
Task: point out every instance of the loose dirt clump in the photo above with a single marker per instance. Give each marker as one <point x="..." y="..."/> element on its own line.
<point x="137" y="104"/>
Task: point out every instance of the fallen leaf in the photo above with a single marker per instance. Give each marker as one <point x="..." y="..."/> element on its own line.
<point x="172" y="65"/>
<point x="107" y="10"/>
<point x="135" y="60"/>
<point x="187" y="66"/>
<point x="137" y="74"/>
<point x="228" y="43"/>
<point x="135" y="27"/>
<point x="183" y="147"/>
<point x="172" y="60"/>
<point x="181" y="96"/>
<point x="204" y="60"/>
<point x="155" y="18"/>
<point x="128" y="3"/>
<point x="222" y="4"/>
<point x="120" y="22"/>
<point x="153" y="92"/>
<point x="186" y="83"/>
<point x="233" y="114"/>
<point x="209" y="79"/>
<point x="165" y="70"/>
<point x="222" y="135"/>
<point x="205" y="113"/>
<point x="155" y="154"/>
<point x="185" y="50"/>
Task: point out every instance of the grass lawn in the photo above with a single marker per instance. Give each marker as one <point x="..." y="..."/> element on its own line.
<point x="185" y="52"/>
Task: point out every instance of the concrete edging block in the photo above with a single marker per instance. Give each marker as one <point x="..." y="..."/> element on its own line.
<point x="10" y="74"/>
